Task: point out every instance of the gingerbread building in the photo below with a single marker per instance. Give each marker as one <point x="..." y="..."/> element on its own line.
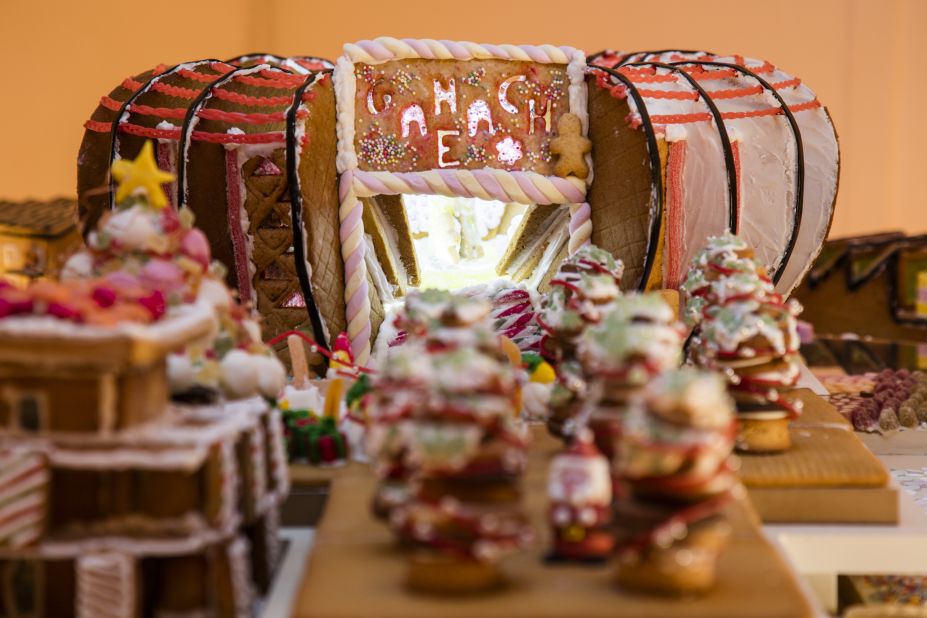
<point x="36" y="237"/>
<point x="878" y="275"/>
<point x="113" y="502"/>
<point x="645" y="155"/>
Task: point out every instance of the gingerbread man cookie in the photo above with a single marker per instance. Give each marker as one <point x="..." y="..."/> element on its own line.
<point x="571" y="146"/>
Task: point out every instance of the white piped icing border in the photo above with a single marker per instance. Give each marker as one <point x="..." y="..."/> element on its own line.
<point x="488" y="183"/>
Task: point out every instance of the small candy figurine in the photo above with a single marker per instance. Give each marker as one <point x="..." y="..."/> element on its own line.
<point x="342" y="362"/>
<point x="580" y="491"/>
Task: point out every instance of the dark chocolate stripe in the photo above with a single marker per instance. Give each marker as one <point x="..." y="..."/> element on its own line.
<point x="296" y="214"/>
<point x="799" y="159"/>
<point x="187" y="127"/>
<point x="722" y="133"/>
<point x="258" y="57"/>
<point x="655" y="170"/>
<point x="114" y="132"/>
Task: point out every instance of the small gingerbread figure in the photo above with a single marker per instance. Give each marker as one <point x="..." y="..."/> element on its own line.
<point x="571" y="146"/>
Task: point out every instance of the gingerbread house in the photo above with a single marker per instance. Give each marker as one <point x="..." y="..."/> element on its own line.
<point x="643" y="154"/>
<point x="877" y="275"/>
<point x="114" y="502"/>
<point x="36" y="237"/>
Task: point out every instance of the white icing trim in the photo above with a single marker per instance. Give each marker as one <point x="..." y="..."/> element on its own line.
<point x="345" y="84"/>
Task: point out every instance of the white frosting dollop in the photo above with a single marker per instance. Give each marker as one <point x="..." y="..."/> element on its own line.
<point x="535" y="399"/>
<point x="78" y="266"/>
<point x="214" y="293"/>
<point x="308" y="398"/>
<point x="132" y="227"/>
<point x="239" y="374"/>
<point x="271" y="375"/>
<point x="181" y="375"/>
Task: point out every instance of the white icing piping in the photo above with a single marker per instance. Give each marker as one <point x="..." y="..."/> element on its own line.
<point x="345" y="84"/>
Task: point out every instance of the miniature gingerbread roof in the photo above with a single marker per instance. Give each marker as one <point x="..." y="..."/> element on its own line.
<point x="38" y="218"/>
<point x="862" y="259"/>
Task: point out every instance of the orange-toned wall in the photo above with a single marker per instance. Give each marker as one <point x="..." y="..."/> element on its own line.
<point x="862" y="57"/>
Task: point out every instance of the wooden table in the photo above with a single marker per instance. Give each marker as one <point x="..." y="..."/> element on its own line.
<point x="828" y="476"/>
<point x="356" y="570"/>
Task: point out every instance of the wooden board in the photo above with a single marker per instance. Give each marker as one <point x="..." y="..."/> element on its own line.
<point x="307" y="475"/>
<point x="356" y="570"/>
<point x="828" y="476"/>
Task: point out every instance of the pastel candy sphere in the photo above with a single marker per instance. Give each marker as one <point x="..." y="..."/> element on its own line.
<point x="195" y="246"/>
<point x="159" y="274"/>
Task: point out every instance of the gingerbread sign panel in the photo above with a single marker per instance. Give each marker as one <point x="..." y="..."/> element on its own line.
<point x="415" y="115"/>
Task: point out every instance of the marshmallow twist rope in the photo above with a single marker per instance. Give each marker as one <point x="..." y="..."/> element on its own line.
<point x="485" y="184"/>
<point x="384" y="49"/>
<point x="353" y="249"/>
<point x="580" y="226"/>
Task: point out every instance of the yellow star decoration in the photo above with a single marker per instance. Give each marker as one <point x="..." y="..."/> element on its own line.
<point x="142" y="173"/>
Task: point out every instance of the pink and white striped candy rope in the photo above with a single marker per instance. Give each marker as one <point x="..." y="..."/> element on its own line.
<point x="580" y="226"/>
<point x="353" y="248"/>
<point x="383" y="49"/>
<point x="485" y="184"/>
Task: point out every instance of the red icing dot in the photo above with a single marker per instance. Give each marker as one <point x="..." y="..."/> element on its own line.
<point x="154" y="303"/>
<point x="104" y="297"/>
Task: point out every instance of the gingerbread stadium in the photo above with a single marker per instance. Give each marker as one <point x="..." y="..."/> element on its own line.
<point x="304" y="173"/>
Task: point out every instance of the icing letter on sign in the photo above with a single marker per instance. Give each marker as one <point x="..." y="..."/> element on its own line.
<point x="478" y="112"/>
<point x="503" y="93"/>
<point x="448" y="96"/>
<point x="371" y="103"/>
<point x="414" y="113"/>
<point x="443" y="150"/>
<point x="532" y="117"/>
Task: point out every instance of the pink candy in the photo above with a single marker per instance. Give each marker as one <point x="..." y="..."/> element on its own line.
<point x="196" y="247"/>
<point x="154" y="303"/>
<point x="159" y="274"/>
<point x="104" y="297"/>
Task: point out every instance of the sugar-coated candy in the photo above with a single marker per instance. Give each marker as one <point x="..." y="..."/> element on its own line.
<point x="888" y="420"/>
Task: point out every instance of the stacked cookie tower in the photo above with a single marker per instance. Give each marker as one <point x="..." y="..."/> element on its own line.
<point x="450" y="401"/>
<point x="451" y="398"/>
<point x="386" y="435"/>
<point x="637" y="339"/>
<point x="749" y="333"/>
<point x="672" y="465"/>
<point x="583" y="288"/>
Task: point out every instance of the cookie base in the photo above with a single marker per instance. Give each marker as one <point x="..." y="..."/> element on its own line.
<point x="438" y="574"/>
<point x="763" y="433"/>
